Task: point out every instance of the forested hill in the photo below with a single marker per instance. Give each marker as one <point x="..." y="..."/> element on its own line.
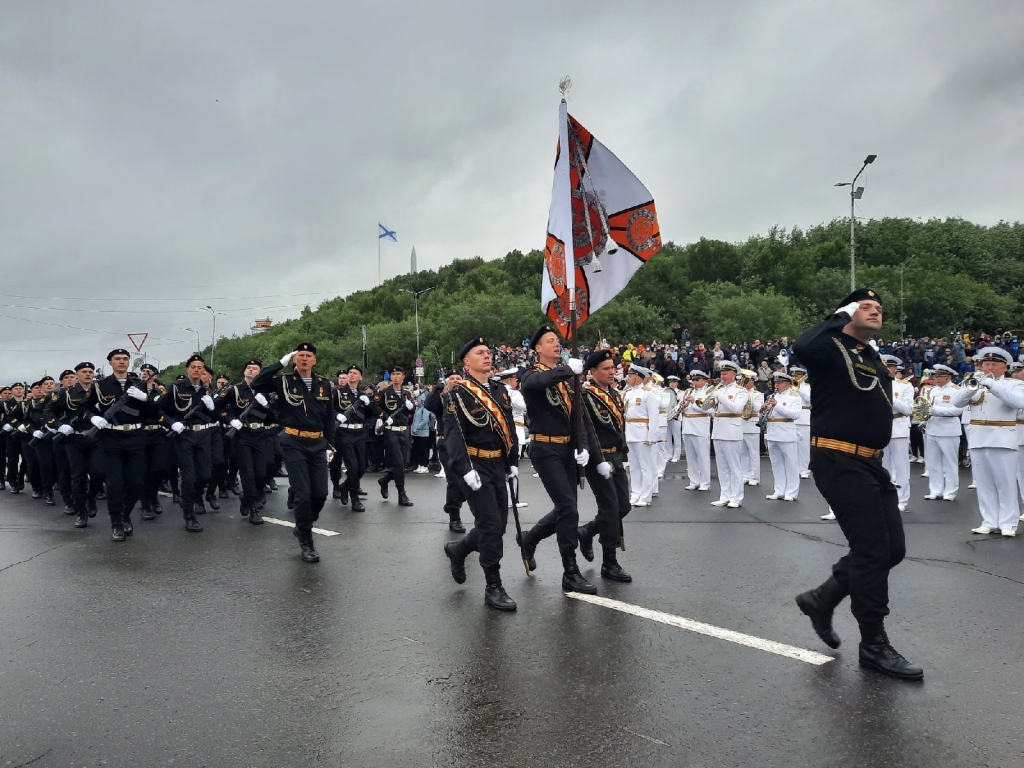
<point x="956" y="275"/>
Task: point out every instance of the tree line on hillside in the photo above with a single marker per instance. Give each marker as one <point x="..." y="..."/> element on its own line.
<point x="957" y="275"/>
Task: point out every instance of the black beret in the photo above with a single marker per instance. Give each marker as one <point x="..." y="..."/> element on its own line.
<point x="306" y="347"/>
<point x="471" y="345"/>
<point x="397" y="369"/>
<point x="195" y="359"/>
<point x="594" y="359"/>
<point x="544" y="329"/>
<point x="46" y="378"/>
<point x="180" y="377"/>
<point x="34" y="384"/>
<point x="118" y="351"/>
<point x="354" y="367"/>
<point x="18" y="384"/>
<point x="208" y="369"/>
<point x="5" y="389"/>
<point x="67" y="372"/>
<point x="342" y="372"/>
<point x="861" y="294"/>
<point x="149" y="367"/>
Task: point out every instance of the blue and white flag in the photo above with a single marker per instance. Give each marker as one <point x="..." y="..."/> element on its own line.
<point x="386" y="233"/>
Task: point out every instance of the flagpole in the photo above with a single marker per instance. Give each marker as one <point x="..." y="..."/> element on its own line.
<point x="378" y="253"/>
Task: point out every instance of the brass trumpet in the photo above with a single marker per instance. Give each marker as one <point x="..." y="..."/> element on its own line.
<point x="972" y="383"/>
<point x="708" y="401"/>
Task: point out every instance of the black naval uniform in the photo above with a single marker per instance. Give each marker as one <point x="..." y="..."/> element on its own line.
<point x="455" y="496"/>
<point x="307" y="418"/>
<point x="851" y="423"/>
<point x="351" y="444"/>
<point x="193" y="446"/>
<point x="158" y="450"/>
<point x="605" y="409"/>
<point x="547" y="392"/>
<point x="254" y="446"/>
<point x="481" y="437"/>
<point x="14" y="417"/>
<point x="393" y="405"/>
<point x="42" y="469"/>
<point x="83" y="451"/>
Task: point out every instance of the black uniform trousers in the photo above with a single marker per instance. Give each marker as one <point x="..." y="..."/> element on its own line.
<point x="397" y="444"/>
<point x="455" y="493"/>
<point x="15" y="465"/>
<point x="556" y="465"/>
<point x="254" y="452"/>
<point x="157" y="451"/>
<point x="489" y="506"/>
<point x="60" y="461"/>
<point x="124" y="462"/>
<point x="43" y="467"/>
<point x="352" y="450"/>
<point x="3" y="457"/>
<point x="863" y="498"/>
<point x="193" y="450"/>
<point x="84" y="461"/>
<point x="218" y="463"/>
<point x="612" y="497"/>
<point x="306" y="462"/>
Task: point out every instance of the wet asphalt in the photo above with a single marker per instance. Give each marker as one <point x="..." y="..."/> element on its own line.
<point x="224" y="649"/>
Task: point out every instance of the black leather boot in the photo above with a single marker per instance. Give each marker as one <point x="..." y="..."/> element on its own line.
<point x="191" y="523"/>
<point x="211" y="498"/>
<point x="272" y="484"/>
<point x="339" y="494"/>
<point x="91" y="507"/>
<point x="254" y="516"/>
<point x="529" y="547"/>
<point x="236" y="488"/>
<point x="454" y="551"/>
<point x="382" y="481"/>
<point x="154" y="504"/>
<point x="586" y="537"/>
<point x="291" y="499"/>
<point x="494" y="594"/>
<point x="819" y="605"/>
<point x="126" y="522"/>
<point x="361" y="492"/>
<point x="572" y="579"/>
<point x="309" y="553"/>
<point x="147" y="511"/>
<point x="403" y="500"/>
<point x="48" y="498"/>
<point x="876" y="653"/>
<point x="83" y="518"/>
<point x="69" y="509"/>
<point x="244" y="507"/>
<point x="611" y="569"/>
<point x="455" y="525"/>
<point x="357" y="503"/>
<point x="198" y="508"/>
<point x="175" y="498"/>
<point x="222" y="492"/>
<point x="117" y="532"/>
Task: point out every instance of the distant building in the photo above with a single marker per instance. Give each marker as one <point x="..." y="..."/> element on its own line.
<point x="412" y="260"/>
<point x="262" y="324"/>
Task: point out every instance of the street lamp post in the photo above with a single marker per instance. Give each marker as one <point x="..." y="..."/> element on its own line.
<point x="903" y="317"/>
<point x="856" y="193"/>
<point x="213" y="346"/>
<point x="416" y="303"/>
<point x="198" y="342"/>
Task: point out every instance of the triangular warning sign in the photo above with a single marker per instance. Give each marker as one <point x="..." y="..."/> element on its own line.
<point x="138" y="344"/>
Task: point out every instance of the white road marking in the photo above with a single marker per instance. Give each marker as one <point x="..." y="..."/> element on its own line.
<point x="287" y="524"/>
<point x="780" y="649"/>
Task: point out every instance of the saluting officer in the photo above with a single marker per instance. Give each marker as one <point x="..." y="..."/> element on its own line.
<point x="484" y="454"/>
<point x="394" y="407"/>
<point x="851" y="425"/>
<point x="304" y="411"/>
<point x="350" y="409"/>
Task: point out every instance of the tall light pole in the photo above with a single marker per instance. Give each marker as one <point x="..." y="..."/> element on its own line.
<point x="199" y="344"/>
<point x="213" y="346"/>
<point x="903" y="317"/>
<point x="856" y="193"/>
<point x="416" y="302"/>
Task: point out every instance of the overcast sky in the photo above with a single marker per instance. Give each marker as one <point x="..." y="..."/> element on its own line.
<point x="240" y="154"/>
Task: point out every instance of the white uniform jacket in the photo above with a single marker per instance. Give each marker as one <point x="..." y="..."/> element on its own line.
<point x="782" y="423"/>
<point x="728" y="424"/>
<point x="641" y="415"/>
<point x="944" y="419"/>
<point x="750" y="425"/>
<point x="993" y="413"/>
<point x="804" y="392"/>
<point x="902" y="406"/>
<point x="696" y="421"/>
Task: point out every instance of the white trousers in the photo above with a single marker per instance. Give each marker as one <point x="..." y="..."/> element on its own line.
<point x="803" y="447"/>
<point x="675" y="439"/>
<point x="698" y="460"/>
<point x="1020" y="470"/>
<point x="752" y="456"/>
<point x="785" y="472"/>
<point x="896" y="461"/>
<point x="995" y="472"/>
<point x="729" y="460"/>
<point x="642" y="472"/>
<point x="940" y="459"/>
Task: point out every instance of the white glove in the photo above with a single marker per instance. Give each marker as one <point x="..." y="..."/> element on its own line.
<point x="8" y="428"/>
<point x="988" y="383"/>
<point x="625" y="465"/>
<point x="379" y="424"/>
<point x="287" y="359"/>
<point x="513" y="472"/>
<point x="137" y="393"/>
<point x="582" y="457"/>
<point x="65" y="430"/>
<point x="472" y="479"/>
<point x="341" y="418"/>
<point x="237" y="424"/>
<point x="604" y="469"/>
<point x="390" y="421"/>
<point x="575" y="365"/>
<point x="208" y="402"/>
<point x="261" y="400"/>
<point x="410" y="405"/>
<point x="38" y="434"/>
<point x="178" y="427"/>
<point x="850" y="308"/>
<point x="99" y="422"/>
<point x="22" y="428"/>
<point x="365" y="399"/>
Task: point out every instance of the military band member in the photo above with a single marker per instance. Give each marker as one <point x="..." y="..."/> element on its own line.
<point x="993" y="440"/>
<point x="659" y="449"/>
<point x="696" y="429"/>
<point x="610" y="484"/>
<point x="1017" y="372"/>
<point x="455" y="496"/>
<point x="802" y="388"/>
<point x="942" y="437"/>
<point x="852" y="425"/>
<point x="305" y="412"/>
<point x="547" y="390"/>
<point x="248" y="414"/>
<point x="727" y="404"/>
<point x="896" y="459"/>
<point x="83" y="450"/>
<point x="751" y="430"/>
<point x="641" y="416"/>
<point x="394" y="407"/>
<point x="781" y="437"/>
<point x="674" y="443"/>
<point x="351" y="434"/>
<point x="484" y="455"/>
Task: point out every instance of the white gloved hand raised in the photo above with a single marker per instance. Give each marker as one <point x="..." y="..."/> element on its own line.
<point x="208" y="402"/>
<point x="575" y="365"/>
<point x="390" y="421"/>
<point x="177" y="427"/>
<point x="513" y="471"/>
<point x="65" y="430"/>
<point x="8" y="428"/>
<point x="38" y="434"/>
<point x="99" y="422"/>
<point x="237" y="424"/>
<point x="261" y="400"/>
<point x="988" y="382"/>
<point x="365" y="399"/>
<point x="410" y="405"/>
<point x="341" y="418"/>
<point x="472" y="479"/>
<point x="582" y="457"/>
<point x="850" y="308"/>
<point x="604" y="469"/>
<point x="287" y="359"/>
<point x="137" y="393"/>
